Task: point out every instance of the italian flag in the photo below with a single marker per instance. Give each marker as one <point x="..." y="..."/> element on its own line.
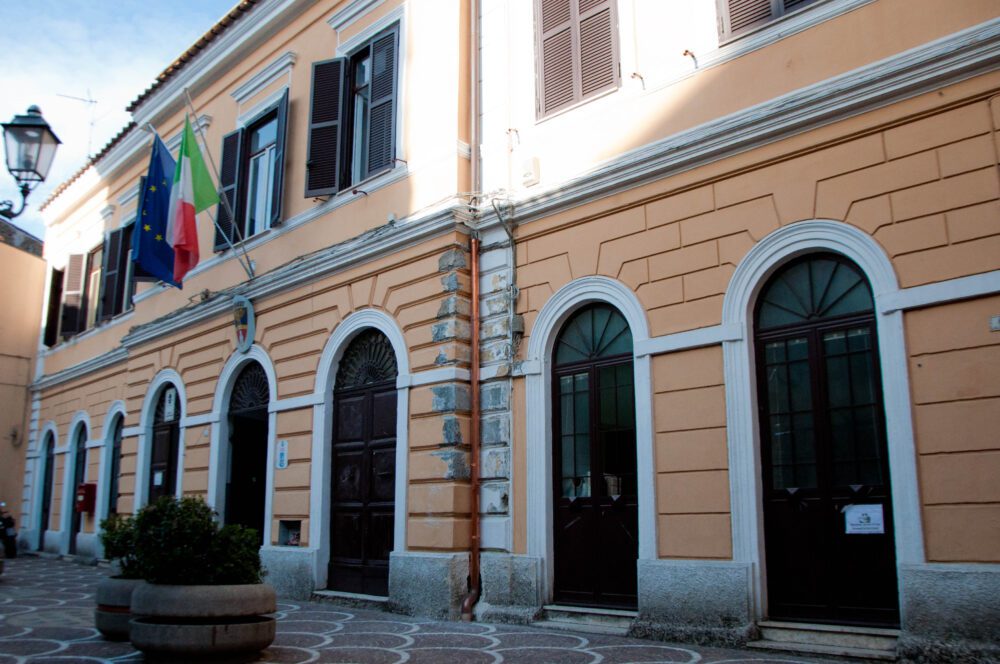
<point x="192" y="192"/>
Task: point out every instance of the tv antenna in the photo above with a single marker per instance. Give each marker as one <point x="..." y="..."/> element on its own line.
<point x="93" y="121"/>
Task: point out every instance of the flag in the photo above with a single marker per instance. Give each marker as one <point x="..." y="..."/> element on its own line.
<point x="192" y="192"/>
<point x="150" y="250"/>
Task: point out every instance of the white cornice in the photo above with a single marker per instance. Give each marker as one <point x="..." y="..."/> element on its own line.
<point x="236" y="43"/>
<point x="269" y="74"/>
<point x="93" y="364"/>
<point x="946" y="61"/>
<point x="351" y="13"/>
<point x="370" y="246"/>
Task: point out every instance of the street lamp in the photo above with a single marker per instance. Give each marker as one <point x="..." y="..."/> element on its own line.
<point x="30" y="146"/>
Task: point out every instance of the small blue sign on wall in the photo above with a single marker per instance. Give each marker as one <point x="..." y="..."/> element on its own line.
<point x="243" y="321"/>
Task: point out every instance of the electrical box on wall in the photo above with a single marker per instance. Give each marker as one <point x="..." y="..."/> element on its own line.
<point x="529" y="171"/>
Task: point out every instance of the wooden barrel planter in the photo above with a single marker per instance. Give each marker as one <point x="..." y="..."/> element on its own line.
<point x="169" y="622"/>
<point x="114" y="602"/>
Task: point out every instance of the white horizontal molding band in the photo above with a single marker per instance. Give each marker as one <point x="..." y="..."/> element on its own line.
<point x="942" y="292"/>
<point x="704" y="336"/>
<point x="199" y="420"/>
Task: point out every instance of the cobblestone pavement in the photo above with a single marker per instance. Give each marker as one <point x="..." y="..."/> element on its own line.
<point x="47" y="608"/>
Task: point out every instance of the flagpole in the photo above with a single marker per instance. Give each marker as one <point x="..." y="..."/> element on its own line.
<point x="222" y="197"/>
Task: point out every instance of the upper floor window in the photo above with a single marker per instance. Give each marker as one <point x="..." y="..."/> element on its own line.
<point x="739" y="16"/>
<point x="252" y="176"/>
<point x="352" y="117"/>
<point x="576" y="43"/>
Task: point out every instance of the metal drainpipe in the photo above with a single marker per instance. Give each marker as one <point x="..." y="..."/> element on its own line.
<point x="474" y="589"/>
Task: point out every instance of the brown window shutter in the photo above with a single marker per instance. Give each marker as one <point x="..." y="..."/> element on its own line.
<point x="229" y="171"/>
<point x="51" y="337"/>
<point x="557" y="60"/>
<point x="381" y="113"/>
<point x="278" y="184"/>
<point x="111" y="295"/>
<point x="598" y="47"/>
<point x="325" y="136"/>
<point x="740" y="15"/>
<point x="72" y="306"/>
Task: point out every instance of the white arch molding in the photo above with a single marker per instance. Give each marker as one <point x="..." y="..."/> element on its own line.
<point x="49" y="431"/>
<point x="116" y="410"/>
<point x="326" y="373"/>
<point x="160" y="382"/>
<point x="538" y="389"/>
<point x="743" y="439"/>
<point x="80" y="419"/>
<point x="219" y="460"/>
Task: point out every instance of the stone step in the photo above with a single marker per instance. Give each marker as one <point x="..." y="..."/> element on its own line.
<point x="585" y="619"/>
<point x="351" y="600"/>
<point x="816" y="649"/>
<point x="840" y="640"/>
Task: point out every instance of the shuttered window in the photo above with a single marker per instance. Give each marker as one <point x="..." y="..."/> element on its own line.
<point x="116" y="287"/>
<point x="576" y="51"/>
<point x="51" y="337"/>
<point x="352" y="117"/>
<point x="739" y="16"/>
<point x="252" y="177"/>
<point x="72" y="319"/>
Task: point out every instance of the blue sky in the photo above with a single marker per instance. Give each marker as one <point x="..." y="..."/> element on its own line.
<point x="111" y="49"/>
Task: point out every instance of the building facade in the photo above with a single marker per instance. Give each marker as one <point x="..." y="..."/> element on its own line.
<point x="686" y="312"/>
<point x="21" y="294"/>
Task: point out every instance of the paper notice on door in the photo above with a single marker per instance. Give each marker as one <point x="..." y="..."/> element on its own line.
<point x="158" y="478"/>
<point x="863" y="520"/>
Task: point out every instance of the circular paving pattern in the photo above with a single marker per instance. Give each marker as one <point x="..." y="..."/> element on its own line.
<point x="47" y="615"/>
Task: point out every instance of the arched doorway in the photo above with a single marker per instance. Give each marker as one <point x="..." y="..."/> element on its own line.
<point x="828" y="520"/>
<point x="162" y="479"/>
<point x="362" y="504"/>
<point x="595" y="502"/>
<point x="246" y="472"/>
<point x="76" y="479"/>
<point x="45" y="516"/>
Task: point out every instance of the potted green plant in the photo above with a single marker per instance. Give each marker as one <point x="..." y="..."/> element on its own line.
<point x="204" y="594"/>
<point x="114" y="593"/>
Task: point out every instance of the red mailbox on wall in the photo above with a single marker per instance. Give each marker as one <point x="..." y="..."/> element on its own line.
<point x="86" y="497"/>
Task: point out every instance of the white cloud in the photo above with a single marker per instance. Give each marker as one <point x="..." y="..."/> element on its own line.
<point x="113" y="50"/>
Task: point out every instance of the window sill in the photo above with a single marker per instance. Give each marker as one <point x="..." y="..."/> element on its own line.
<point x="794" y="21"/>
<point x="89" y="332"/>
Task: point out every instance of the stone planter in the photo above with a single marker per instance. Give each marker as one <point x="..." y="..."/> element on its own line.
<point x="170" y="622"/>
<point x="114" y="601"/>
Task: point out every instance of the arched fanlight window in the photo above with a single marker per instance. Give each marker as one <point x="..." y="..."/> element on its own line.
<point x="593" y="333"/>
<point x="819" y="287"/>
<point x="251" y="393"/>
<point x="368" y="360"/>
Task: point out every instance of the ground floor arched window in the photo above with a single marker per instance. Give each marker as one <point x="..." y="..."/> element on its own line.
<point x="595" y="505"/>
<point x="828" y="522"/>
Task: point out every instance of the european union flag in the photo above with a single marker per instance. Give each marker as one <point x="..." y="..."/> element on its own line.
<point x="150" y="249"/>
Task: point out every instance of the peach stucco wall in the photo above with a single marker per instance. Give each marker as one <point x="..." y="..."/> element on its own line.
<point x="955" y="372"/>
<point x="293" y="328"/>
<point x="920" y="177"/>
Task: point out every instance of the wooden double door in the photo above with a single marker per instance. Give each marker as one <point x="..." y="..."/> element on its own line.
<point x="595" y="505"/>
<point x="828" y="519"/>
<point x="364" y="490"/>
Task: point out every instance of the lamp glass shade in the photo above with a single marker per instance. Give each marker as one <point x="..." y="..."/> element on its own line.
<point x="30" y="146"/>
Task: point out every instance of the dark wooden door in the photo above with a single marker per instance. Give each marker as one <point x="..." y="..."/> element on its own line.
<point x="247" y="481"/>
<point x="47" y="478"/>
<point x="595" y="507"/>
<point x="828" y="522"/>
<point x="79" y="472"/>
<point x="163" y="460"/>
<point x="364" y="489"/>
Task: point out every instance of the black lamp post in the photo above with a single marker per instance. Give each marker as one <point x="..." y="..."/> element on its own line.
<point x="30" y="146"/>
